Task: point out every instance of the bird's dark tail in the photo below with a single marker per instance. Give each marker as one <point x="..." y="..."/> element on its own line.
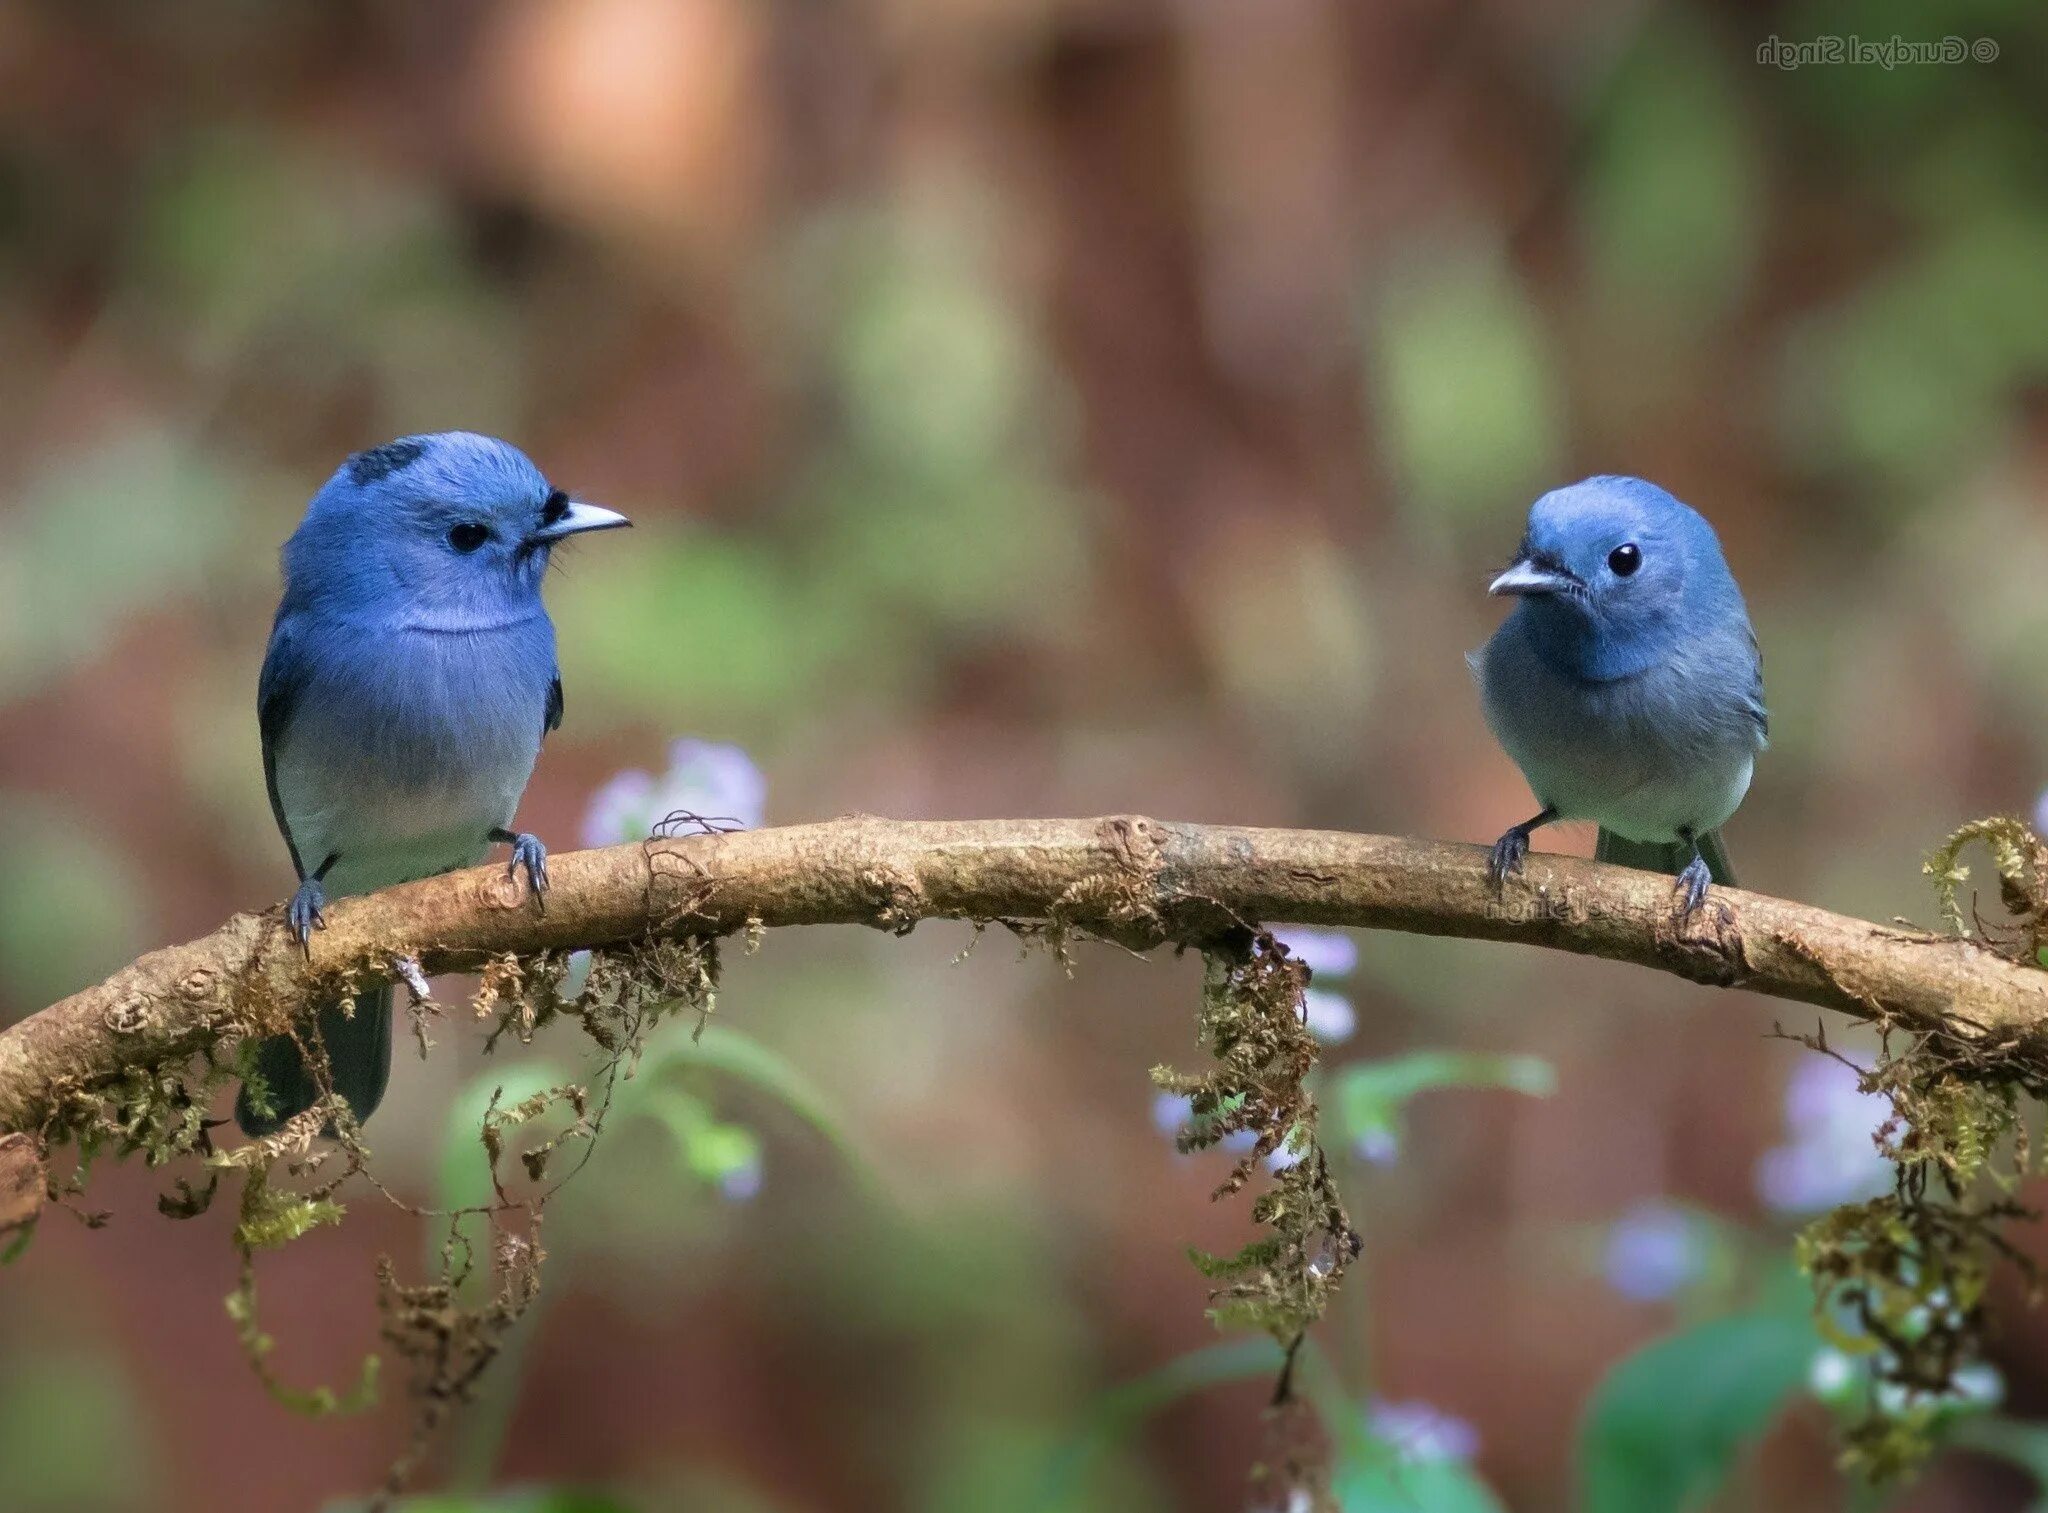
<point x="1669" y="857"/>
<point x="358" y="1056"/>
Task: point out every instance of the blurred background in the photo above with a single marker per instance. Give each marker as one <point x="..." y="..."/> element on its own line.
<point x="1026" y="409"/>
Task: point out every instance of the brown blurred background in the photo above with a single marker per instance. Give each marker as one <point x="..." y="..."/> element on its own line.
<point x="1026" y="409"/>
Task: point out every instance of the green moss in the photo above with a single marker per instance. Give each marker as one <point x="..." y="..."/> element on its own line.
<point x="1901" y="1280"/>
<point x="1254" y="1027"/>
<point x="2021" y="859"/>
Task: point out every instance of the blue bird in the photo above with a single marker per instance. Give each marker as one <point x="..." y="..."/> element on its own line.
<point x="1626" y="684"/>
<point x="410" y="678"/>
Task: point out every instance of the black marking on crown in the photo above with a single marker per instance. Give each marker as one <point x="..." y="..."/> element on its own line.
<point x="382" y="462"/>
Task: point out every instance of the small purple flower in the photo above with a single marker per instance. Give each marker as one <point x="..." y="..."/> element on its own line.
<point x="703" y="778"/>
<point x="2041" y="814"/>
<point x="1379" y="1145"/>
<point x="741" y="1183"/>
<point x="1653" y="1252"/>
<point x="618" y="810"/>
<point x="714" y="780"/>
<point x="1170" y="1111"/>
<point x="1831" y="1157"/>
<point x="1326" y="953"/>
<point x="1419" y="1432"/>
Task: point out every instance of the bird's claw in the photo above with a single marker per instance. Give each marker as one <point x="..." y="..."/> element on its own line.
<point x="307" y="911"/>
<point x="528" y="852"/>
<point x="1692" y="886"/>
<point x="1508" y="853"/>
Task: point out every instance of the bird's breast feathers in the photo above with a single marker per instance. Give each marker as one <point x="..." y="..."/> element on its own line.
<point x="405" y="748"/>
<point x="1644" y="756"/>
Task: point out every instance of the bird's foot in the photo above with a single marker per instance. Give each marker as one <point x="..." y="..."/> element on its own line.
<point x="307" y="911"/>
<point x="528" y="852"/>
<point x="1692" y="886"/>
<point x="1508" y="853"/>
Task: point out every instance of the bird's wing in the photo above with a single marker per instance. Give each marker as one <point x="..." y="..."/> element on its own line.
<point x="552" y="720"/>
<point x="284" y="679"/>
<point x="1757" y="711"/>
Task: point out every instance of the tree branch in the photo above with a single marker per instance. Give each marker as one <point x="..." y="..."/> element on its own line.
<point x="1141" y="882"/>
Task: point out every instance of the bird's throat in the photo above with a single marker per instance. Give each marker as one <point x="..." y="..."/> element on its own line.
<point x="1588" y="647"/>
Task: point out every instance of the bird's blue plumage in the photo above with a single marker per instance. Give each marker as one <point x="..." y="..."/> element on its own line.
<point x="410" y="678"/>
<point x="1626" y="683"/>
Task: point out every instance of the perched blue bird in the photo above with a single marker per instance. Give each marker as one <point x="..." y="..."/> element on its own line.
<point x="1626" y="683"/>
<point x="410" y="677"/>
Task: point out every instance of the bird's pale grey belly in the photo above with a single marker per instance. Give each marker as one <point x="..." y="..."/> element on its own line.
<point x="428" y="764"/>
<point x="1615" y="753"/>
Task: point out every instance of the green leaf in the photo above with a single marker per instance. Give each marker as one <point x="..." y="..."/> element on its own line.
<point x="541" y="1500"/>
<point x="1666" y="1425"/>
<point x="1371" y="1094"/>
<point x="465" y="1168"/>
<point x="1386" y="1483"/>
<point x="738" y="1055"/>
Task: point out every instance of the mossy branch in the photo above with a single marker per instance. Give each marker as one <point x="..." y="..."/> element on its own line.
<point x="1137" y="881"/>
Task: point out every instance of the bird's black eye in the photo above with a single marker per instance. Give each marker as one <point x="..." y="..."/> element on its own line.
<point x="1625" y="559"/>
<point x="556" y="507"/>
<point x="467" y="538"/>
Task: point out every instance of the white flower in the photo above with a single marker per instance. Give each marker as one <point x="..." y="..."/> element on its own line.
<point x="1330" y="1017"/>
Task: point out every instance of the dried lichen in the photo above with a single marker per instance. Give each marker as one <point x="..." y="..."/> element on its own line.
<point x="447" y="1344"/>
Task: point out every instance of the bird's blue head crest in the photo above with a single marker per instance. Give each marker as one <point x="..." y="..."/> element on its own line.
<point x="444" y="532"/>
<point x="1611" y="572"/>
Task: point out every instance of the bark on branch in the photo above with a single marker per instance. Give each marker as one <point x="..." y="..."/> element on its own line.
<point x="1139" y="881"/>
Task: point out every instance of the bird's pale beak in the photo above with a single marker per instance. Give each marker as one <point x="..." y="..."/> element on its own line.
<point x="577" y="519"/>
<point x="1526" y="578"/>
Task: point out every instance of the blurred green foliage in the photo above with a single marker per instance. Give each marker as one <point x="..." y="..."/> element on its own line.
<point x="57" y="1409"/>
<point x="950" y="499"/>
<point x="1668" y="1424"/>
<point x="1465" y="384"/>
<point x="71" y="908"/>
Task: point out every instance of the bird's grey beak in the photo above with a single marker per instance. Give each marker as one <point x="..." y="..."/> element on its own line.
<point x="1525" y="578"/>
<point x="577" y="519"/>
